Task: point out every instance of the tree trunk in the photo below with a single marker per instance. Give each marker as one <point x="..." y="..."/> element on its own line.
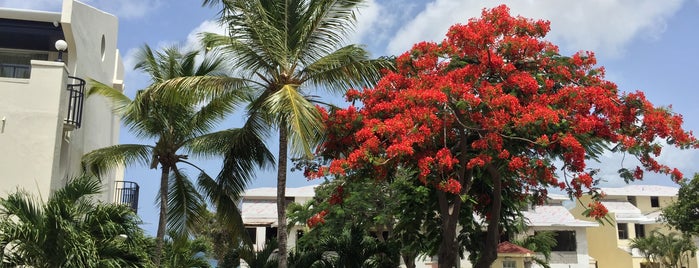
<point x="492" y="237"/>
<point x="281" y="196"/>
<point x="449" y="215"/>
<point x="162" y="219"/>
<point x="409" y="259"/>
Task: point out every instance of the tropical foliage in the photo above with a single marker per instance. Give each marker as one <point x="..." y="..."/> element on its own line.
<point x="672" y="250"/>
<point x="490" y="115"/>
<point x="683" y="214"/>
<point x="181" y="124"/>
<point x="70" y="229"/>
<point x="284" y="50"/>
<point x="182" y="251"/>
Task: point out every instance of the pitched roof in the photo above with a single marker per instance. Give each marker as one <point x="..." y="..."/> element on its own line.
<point x="554" y="215"/>
<point x="641" y="190"/>
<point x="625" y="212"/>
<point x="509" y="248"/>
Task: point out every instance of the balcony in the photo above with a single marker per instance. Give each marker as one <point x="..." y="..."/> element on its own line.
<point x="76" y="92"/>
<point x="126" y="192"/>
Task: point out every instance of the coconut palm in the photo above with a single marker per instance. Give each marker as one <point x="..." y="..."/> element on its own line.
<point x="284" y="49"/>
<point x="70" y="229"/>
<point x="181" y="126"/>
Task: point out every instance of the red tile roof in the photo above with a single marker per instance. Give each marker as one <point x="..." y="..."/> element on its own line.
<point x="507" y="247"/>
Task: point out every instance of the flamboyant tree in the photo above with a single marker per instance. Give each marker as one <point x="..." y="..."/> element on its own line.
<point x="494" y="113"/>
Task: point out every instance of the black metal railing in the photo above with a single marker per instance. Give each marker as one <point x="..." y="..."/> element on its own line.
<point x="126" y="192"/>
<point x="76" y="92"/>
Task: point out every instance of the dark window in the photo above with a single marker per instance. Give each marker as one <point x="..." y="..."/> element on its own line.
<point x="565" y="241"/>
<point x="288" y="200"/>
<point x="654" y="202"/>
<point x="623" y="230"/>
<point x="252" y="233"/>
<point x="631" y="199"/>
<point x="270" y="233"/>
<point x="640" y="230"/>
<point x="16" y="63"/>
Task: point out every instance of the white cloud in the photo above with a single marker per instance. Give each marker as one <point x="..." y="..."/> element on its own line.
<point x="208" y="26"/>
<point x="605" y="26"/>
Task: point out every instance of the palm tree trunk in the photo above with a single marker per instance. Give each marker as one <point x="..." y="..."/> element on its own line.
<point x="162" y="219"/>
<point x="281" y="196"/>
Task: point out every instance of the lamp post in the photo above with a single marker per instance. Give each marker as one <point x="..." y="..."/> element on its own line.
<point x="61" y="46"/>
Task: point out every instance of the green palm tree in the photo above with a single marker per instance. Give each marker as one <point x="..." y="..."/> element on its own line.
<point x="669" y="249"/>
<point x="183" y="252"/>
<point x="181" y="126"/>
<point x="70" y="229"/>
<point x="283" y="50"/>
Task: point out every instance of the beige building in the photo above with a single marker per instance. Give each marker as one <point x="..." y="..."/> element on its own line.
<point x="635" y="211"/>
<point x="46" y="121"/>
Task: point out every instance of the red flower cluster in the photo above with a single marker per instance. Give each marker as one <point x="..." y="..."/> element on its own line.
<point x="495" y="94"/>
<point x="450" y="186"/>
<point x="596" y="210"/>
<point x="316" y="219"/>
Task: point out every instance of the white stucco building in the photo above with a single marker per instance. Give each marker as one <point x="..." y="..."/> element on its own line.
<point x="46" y="124"/>
<point x="259" y="213"/>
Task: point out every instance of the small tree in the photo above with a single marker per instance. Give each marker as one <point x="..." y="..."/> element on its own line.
<point x="683" y="214"/>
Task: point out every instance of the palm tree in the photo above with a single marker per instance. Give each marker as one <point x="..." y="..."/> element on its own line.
<point x="541" y="242"/>
<point x="181" y="252"/>
<point x="181" y="127"/>
<point x="283" y="49"/>
<point x="69" y="230"/>
<point x="669" y="249"/>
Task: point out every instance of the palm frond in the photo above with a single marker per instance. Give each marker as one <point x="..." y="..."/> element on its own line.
<point x="299" y="115"/>
<point x="116" y="97"/>
<point x="184" y="203"/>
<point x="345" y="68"/>
<point x="102" y="160"/>
<point x="323" y="27"/>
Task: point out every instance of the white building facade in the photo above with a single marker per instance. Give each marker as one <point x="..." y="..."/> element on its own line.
<point x="46" y="122"/>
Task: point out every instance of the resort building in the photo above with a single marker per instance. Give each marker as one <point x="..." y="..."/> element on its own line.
<point x="635" y="211"/>
<point x="259" y="213"/>
<point x="46" y="122"/>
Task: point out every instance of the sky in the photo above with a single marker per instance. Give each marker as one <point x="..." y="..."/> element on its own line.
<point x="645" y="45"/>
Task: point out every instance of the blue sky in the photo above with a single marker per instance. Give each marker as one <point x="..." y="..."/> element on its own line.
<point x="645" y="45"/>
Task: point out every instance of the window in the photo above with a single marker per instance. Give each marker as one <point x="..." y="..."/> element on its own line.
<point x="270" y="233"/>
<point x="509" y="264"/>
<point x="631" y="199"/>
<point x="654" y="202"/>
<point x="640" y="230"/>
<point x="623" y="230"/>
<point x="252" y="233"/>
<point x="17" y="63"/>
<point x="565" y="241"/>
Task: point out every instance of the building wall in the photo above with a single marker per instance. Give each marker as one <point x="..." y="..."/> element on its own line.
<point x="91" y="35"/>
<point x="37" y="153"/>
<point x="31" y="128"/>
<point x="604" y="243"/>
